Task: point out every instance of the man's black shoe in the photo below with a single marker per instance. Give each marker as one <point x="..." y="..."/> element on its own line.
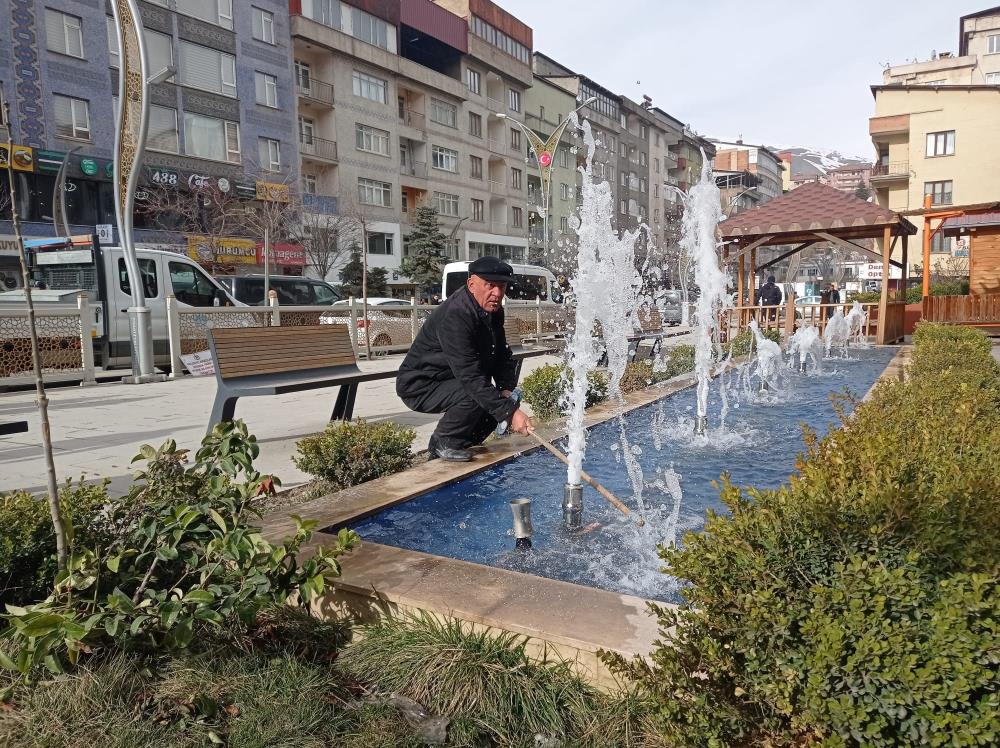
<point x="450" y="454"/>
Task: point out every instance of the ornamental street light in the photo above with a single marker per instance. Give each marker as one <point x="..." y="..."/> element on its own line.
<point x="542" y="152"/>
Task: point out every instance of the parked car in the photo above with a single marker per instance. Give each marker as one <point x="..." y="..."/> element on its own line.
<point x="388" y="320"/>
<point x="292" y="290"/>
<point x="804" y="300"/>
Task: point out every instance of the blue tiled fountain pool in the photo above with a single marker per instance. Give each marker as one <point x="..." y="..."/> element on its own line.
<point x="471" y="519"/>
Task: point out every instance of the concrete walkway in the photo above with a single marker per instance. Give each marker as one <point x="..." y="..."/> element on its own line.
<point x="97" y="430"/>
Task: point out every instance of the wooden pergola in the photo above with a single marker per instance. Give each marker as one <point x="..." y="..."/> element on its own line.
<point x="816" y="213"/>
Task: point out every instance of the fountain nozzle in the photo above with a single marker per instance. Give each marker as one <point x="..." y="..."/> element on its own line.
<point x="802" y="367"/>
<point x="521" y="509"/>
<point x="701" y="425"/>
<point x="572" y="506"/>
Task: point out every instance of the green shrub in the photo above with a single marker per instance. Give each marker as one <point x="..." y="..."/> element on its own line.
<point x="857" y="604"/>
<point x="742" y="343"/>
<point x="184" y="561"/>
<point x="679" y="360"/>
<point x="938" y="348"/>
<point x="347" y="454"/>
<point x="28" y="543"/>
<point x="637" y="375"/>
<point x="543" y="389"/>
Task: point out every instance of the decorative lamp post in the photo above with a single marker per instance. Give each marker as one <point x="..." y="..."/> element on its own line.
<point x="130" y="143"/>
<point x="543" y="153"/>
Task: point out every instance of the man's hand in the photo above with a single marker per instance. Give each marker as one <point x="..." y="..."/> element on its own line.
<point x="521" y="423"/>
<point x="506" y="393"/>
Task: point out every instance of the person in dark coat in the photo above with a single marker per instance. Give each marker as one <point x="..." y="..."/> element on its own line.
<point x="770" y="295"/>
<point x="460" y="365"/>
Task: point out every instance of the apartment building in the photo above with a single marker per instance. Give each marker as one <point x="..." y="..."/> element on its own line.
<point x="762" y="162"/>
<point x="939" y="142"/>
<point x="977" y="61"/>
<point x="397" y="108"/>
<point x="547" y="105"/>
<point x="849" y="177"/>
<point x="224" y="119"/>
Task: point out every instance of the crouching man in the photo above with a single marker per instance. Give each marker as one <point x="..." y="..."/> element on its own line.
<point x="460" y="365"/>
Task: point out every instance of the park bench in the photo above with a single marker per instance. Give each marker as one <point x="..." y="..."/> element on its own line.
<point x="522" y="351"/>
<point x="254" y="361"/>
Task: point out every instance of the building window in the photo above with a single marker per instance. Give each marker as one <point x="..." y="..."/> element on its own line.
<point x="303" y="75"/>
<point x="372" y="192"/>
<point x="623" y="120"/>
<point x="517" y="217"/>
<point x="72" y="117"/>
<point x="210" y="137"/>
<point x="474" y="80"/>
<point x="993" y="79"/>
<point x="269" y="153"/>
<point x="263" y="25"/>
<point x="515" y="139"/>
<point x="369" y="87"/>
<point x="63" y="33"/>
<point x="642" y="159"/>
<point x="163" y="135"/>
<point x="370" y="29"/>
<point x="371" y="139"/>
<point x="514" y="100"/>
<point x="940" y="192"/>
<point x="623" y="207"/>
<point x="941" y="143"/>
<point x="564" y="191"/>
<point x="219" y="12"/>
<point x="564" y="224"/>
<point x="207" y="69"/>
<point x="309" y="184"/>
<point x="623" y="151"/>
<point x="307" y="129"/>
<point x="656" y="190"/>
<point x="500" y="40"/>
<point x="159" y="47"/>
<point x="444" y="159"/>
<point x="326" y="12"/>
<point x="446" y="204"/>
<point x="642" y="185"/>
<point x="475" y="167"/>
<point x="940" y="243"/>
<point x="475" y="125"/>
<point x="267" y="89"/>
<point x="404" y="205"/>
<point x="444" y="113"/>
<point x="993" y="44"/>
<point x="656" y="165"/>
<point x="515" y="178"/>
<point x="379" y="244"/>
<point x="477" y="210"/>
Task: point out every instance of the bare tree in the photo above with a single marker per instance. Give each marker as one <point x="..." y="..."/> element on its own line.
<point x="359" y="220"/>
<point x="326" y="240"/>
<point x="55" y="510"/>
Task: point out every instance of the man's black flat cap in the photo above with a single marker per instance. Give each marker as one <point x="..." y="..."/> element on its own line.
<point x="492" y="269"/>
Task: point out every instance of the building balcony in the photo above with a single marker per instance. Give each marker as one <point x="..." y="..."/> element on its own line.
<point x="415" y="169"/>
<point x="891" y="171"/>
<point x="497" y="186"/>
<point x="319" y="150"/>
<point x="498" y="227"/>
<point x="881" y="128"/>
<point x="413" y="119"/>
<point x="495" y="105"/>
<point x="670" y="159"/>
<point x="315" y="93"/>
<point x="322" y="204"/>
<point x="673" y="181"/>
<point x="498" y="147"/>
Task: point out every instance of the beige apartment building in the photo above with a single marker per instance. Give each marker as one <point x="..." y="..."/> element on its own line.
<point x="939" y="142"/>
<point x="397" y="105"/>
<point x="977" y="61"/>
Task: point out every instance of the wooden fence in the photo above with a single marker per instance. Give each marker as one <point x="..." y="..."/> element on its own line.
<point x="974" y="309"/>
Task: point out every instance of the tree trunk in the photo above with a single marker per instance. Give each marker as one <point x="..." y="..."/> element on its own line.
<point x="55" y="510"/>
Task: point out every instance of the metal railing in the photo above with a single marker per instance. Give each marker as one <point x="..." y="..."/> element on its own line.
<point x="414" y="169"/>
<point x="65" y="335"/>
<point x="314" y="90"/>
<point x="318" y="148"/>
<point x="891" y="169"/>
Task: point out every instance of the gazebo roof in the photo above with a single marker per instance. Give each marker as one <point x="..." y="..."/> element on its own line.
<point x="797" y="215"/>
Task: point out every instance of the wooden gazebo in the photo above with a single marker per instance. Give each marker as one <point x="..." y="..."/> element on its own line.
<point x="816" y="213"/>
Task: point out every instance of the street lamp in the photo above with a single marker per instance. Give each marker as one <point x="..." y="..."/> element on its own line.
<point x="543" y="152"/>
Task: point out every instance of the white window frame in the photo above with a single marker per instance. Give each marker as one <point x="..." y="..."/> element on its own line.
<point x="515" y="139"/>
<point x="374" y="192"/>
<point x="177" y="134"/>
<point x="993" y="79"/>
<point x="516" y="178"/>
<point x="307" y="130"/>
<point x="446" y="204"/>
<point x="221" y="16"/>
<point x="303" y="75"/>
<point x="79" y="111"/>
<point x="444" y="159"/>
<point x="478" y="118"/>
<point x="368" y="139"/>
<point x="227" y="71"/>
<point x="473" y="161"/>
<point x="941" y="143"/>
<point x="370" y="87"/>
<point x="993" y="44"/>
<point x="473" y="81"/>
<point x="564" y="191"/>
<point x="273" y="153"/>
<point x="444" y="113"/>
<point x="478" y="210"/>
<point x="230" y="136"/>
<point x="309" y="184"/>
<point x="72" y="28"/>
<point x="517" y="216"/>
<point x="265" y="20"/>
<point x="942" y="182"/>
<point x="514" y="100"/>
<point x="269" y="85"/>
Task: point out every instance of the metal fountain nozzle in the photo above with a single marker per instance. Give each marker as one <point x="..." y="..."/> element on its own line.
<point x="701" y="425"/>
<point x="521" y="509"/>
<point x="572" y="506"/>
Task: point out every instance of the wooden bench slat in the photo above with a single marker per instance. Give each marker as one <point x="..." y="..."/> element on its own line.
<point x="243" y="351"/>
<point x="267" y="365"/>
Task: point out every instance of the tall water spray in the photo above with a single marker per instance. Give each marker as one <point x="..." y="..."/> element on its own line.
<point x="768" y="358"/>
<point x="857" y="323"/>
<point x="702" y="212"/>
<point x="605" y="286"/>
<point x="805" y="343"/>
<point x="837" y="332"/>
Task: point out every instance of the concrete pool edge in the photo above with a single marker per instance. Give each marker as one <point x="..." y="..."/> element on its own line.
<point x="564" y="619"/>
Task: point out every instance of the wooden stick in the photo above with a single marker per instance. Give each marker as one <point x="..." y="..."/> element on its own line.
<point x="600" y="489"/>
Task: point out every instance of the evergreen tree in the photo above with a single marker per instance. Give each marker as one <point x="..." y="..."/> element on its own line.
<point x="351" y="276"/>
<point x="426" y="245"/>
<point x="862" y="192"/>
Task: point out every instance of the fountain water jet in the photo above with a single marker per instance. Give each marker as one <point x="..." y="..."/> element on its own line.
<point x="804" y="343"/>
<point x="857" y="323"/>
<point x="837" y="332"/>
<point x="768" y="357"/>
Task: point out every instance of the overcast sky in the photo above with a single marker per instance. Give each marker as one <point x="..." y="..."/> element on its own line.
<point x="778" y="72"/>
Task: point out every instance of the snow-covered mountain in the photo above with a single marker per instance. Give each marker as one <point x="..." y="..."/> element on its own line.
<point x="810" y="161"/>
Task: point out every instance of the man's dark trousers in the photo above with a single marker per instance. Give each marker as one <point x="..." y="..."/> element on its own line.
<point x="464" y="423"/>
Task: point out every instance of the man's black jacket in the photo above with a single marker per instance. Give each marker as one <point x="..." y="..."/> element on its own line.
<point x="769" y="295"/>
<point x="461" y="340"/>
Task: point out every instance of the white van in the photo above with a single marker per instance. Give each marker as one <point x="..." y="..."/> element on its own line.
<point x="67" y="265"/>
<point x="530" y="282"/>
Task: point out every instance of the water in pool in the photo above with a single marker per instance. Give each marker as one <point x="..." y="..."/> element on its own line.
<point x="649" y="458"/>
